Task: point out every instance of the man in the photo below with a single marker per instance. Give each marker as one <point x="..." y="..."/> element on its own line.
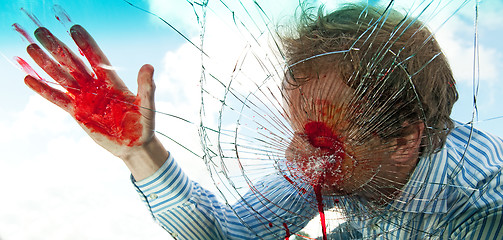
<point x="368" y="94"/>
<point x="382" y="85"/>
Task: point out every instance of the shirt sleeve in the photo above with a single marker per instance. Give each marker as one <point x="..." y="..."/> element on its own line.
<point x="182" y="207"/>
<point x="485" y="224"/>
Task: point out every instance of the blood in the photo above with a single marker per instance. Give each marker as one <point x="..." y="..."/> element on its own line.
<point x="319" y="200"/>
<point x="21" y="31"/>
<point x="62" y="16"/>
<point x="288" y="179"/>
<point x="322" y="137"/>
<point x="302" y="190"/>
<point x="323" y="166"/>
<point x="39" y="85"/>
<point x="32" y="17"/>
<point x="287" y="231"/>
<point x="328" y="158"/>
<point x="27" y="68"/>
<point x="270" y="224"/>
<point x="108" y="111"/>
<point x="100" y="106"/>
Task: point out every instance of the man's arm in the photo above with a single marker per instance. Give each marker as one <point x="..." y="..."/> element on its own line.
<point x="188" y="211"/>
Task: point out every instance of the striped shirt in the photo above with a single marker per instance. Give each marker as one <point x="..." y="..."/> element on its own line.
<point x="455" y="193"/>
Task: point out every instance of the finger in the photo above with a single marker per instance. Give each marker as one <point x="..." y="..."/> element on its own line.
<point x="53" y="69"/>
<point x="68" y="60"/>
<point x="146" y="88"/>
<point x="55" y="96"/>
<point x="99" y="62"/>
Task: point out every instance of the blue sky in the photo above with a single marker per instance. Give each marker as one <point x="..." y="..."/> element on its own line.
<point x="57" y="183"/>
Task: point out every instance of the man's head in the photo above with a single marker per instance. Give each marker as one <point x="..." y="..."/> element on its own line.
<point x="378" y="81"/>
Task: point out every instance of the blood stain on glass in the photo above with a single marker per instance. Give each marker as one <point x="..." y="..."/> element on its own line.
<point x="27" y="68"/>
<point x="21" y="31"/>
<point x="287" y="231"/>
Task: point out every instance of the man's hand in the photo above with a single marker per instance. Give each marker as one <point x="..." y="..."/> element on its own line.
<point x="98" y="99"/>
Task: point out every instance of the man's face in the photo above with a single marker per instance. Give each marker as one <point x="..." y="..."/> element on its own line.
<point x="323" y="150"/>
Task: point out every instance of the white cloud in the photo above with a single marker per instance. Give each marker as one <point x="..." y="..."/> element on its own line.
<point x="460" y="53"/>
<point x="72" y="190"/>
<point x="38" y="117"/>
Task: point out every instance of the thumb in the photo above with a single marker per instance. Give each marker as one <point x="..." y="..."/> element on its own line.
<point x="146" y="88"/>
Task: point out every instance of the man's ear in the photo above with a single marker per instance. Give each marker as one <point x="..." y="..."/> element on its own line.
<point x="407" y="146"/>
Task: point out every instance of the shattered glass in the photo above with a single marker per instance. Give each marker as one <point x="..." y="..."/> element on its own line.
<point x="265" y="111"/>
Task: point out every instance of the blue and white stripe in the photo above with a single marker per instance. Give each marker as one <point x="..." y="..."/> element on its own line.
<point x="453" y="194"/>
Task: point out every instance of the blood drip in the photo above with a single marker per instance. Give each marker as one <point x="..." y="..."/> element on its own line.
<point x="287" y="231"/>
<point x="288" y="179"/>
<point x="81" y="53"/>
<point x="319" y="200"/>
<point x="21" y="31"/>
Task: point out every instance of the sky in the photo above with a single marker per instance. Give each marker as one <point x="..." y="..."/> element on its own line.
<point x="58" y="184"/>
